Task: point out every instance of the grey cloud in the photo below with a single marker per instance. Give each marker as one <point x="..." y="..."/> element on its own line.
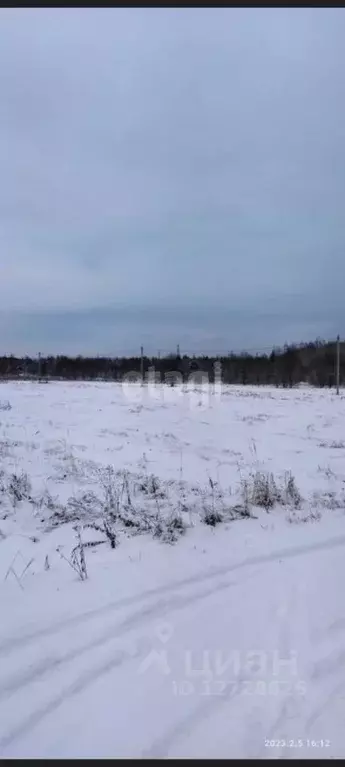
<point x="168" y="158"/>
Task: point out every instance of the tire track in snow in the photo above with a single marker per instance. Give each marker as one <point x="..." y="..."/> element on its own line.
<point x="321" y="707"/>
<point x="284" y="639"/>
<point x="117" y="630"/>
<point x="161" y="746"/>
<point x="288" y="710"/>
<point x="9" y="644"/>
<point x="208" y="707"/>
<point x="329" y="665"/>
<point x="304" y="710"/>
<point x="88" y="678"/>
<point x="163" y="606"/>
<point x="76" y="688"/>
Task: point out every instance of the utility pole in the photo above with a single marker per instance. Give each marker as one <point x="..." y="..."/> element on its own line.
<point x="178" y="350"/>
<point x="142" y="363"/>
<point x="39" y="366"/>
<point x="338" y="363"/>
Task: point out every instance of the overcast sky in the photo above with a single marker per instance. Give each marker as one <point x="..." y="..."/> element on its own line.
<point x="171" y="176"/>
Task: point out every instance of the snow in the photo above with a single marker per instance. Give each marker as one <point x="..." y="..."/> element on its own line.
<point x="228" y="643"/>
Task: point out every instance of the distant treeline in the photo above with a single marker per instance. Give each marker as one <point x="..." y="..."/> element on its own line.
<point x="313" y="363"/>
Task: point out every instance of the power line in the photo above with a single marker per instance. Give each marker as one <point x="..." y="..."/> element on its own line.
<point x="241" y="350"/>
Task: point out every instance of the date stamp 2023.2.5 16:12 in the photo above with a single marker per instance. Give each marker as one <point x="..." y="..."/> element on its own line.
<point x="297" y="743"/>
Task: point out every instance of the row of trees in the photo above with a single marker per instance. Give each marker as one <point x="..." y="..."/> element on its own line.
<point x="312" y="363"/>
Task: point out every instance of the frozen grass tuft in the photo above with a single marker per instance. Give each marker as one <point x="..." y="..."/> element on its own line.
<point x="264" y="491"/>
<point x="212" y="517"/>
<point x="19" y="488"/>
<point x="169" y="530"/>
<point x="328" y="500"/>
<point x="292" y="494"/>
<point x="5" y="405"/>
<point x="334" y="445"/>
<point x="314" y="515"/>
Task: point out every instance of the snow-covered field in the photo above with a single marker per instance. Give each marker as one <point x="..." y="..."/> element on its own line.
<point x="187" y="638"/>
